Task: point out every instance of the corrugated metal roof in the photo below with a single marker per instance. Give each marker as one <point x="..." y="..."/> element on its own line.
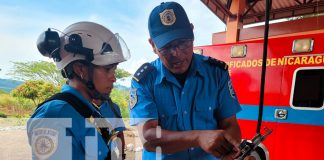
<point x="255" y="9"/>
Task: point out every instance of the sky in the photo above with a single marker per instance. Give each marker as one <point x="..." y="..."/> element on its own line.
<point x="22" y="21"/>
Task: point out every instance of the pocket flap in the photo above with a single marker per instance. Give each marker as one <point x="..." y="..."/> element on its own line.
<point x="168" y="111"/>
<point x="204" y="105"/>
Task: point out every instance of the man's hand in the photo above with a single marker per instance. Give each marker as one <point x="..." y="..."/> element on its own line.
<point x="218" y="143"/>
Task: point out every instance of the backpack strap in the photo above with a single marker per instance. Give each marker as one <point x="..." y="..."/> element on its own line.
<point x="112" y="106"/>
<point x="82" y="109"/>
<point x="74" y="101"/>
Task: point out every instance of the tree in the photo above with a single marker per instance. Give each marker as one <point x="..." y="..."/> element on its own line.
<point x="121" y="97"/>
<point x="120" y="73"/>
<point x="37" y="70"/>
<point x="37" y="90"/>
<point x="47" y="71"/>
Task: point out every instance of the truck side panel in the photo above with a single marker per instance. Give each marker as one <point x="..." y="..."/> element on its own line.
<point x="300" y="135"/>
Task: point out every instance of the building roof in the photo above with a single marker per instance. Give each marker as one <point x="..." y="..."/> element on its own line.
<point x="255" y="9"/>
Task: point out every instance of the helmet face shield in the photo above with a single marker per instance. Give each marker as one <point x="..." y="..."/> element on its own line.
<point x="123" y="46"/>
<point x="113" y="51"/>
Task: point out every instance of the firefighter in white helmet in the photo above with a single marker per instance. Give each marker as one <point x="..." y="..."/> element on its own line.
<point x="69" y="125"/>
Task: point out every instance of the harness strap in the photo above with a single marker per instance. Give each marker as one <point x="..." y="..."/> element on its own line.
<point x="83" y="110"/>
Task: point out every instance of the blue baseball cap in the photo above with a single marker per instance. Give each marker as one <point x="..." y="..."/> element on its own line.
<point x="169" y="22"/>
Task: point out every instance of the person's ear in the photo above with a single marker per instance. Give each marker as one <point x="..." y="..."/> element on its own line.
<point x="80" y="70"/>
<point x="153" y="45"/>
<point x="192" y="27"/>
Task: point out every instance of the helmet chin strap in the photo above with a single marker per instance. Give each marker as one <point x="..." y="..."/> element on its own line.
<point x="95" y="94"/>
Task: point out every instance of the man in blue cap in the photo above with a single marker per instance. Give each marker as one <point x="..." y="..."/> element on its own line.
<point x="184" y="104"/>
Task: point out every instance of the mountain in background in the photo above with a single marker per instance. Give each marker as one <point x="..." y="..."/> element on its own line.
<point x="8" y="85"/>
<point x="121" y="87"/>
<point x="123" y="84"/>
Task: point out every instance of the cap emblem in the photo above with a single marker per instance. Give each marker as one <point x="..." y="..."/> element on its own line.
<point x="168" y="17"/>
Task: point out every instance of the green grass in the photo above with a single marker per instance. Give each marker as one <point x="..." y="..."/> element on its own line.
<point x="3" y="115"/>
<point x="3" y="92"/>
<point x="21" y="107"/>
<point x="124" y="112"/>
<point x="15" y="107"/>
<point x="6" y="122"/>
<point x="121" y="97"/>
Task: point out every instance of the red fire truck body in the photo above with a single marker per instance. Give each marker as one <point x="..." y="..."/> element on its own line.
<point x="300" y="134"/>
<point x="293" y="105"/>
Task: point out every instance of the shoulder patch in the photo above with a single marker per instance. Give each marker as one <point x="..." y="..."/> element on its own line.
<point x="217" y="63"/>
<point x="142" y="71"/>
<point x="44" y="142"/>
<point x="231" y="89"/>
<point x="132" y="98"/>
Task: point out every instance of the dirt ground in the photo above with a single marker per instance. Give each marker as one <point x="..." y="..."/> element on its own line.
<point x="14" y="144"/>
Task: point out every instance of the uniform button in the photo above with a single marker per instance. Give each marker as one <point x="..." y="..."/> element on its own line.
<point x="185" y="112"/>
<point x="99" y="152"/>
<point x="182" y="93"/>
<point x="192" y="148"/>
<point x="210" y="108"/>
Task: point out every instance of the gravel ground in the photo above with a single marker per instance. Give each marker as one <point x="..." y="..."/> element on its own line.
<point x="14" y="144"/>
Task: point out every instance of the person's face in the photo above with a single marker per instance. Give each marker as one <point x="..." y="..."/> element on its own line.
<point x="104" y="78"/>
<point x="176" y="56"/>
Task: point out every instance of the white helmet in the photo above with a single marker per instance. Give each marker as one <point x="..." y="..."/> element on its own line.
<point x="107" y="48"/>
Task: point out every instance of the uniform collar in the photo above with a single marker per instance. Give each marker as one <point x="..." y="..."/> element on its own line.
<point x="165" y="74"/>
<point x="196" y="66"/>
<point x="69" y="89"/>
<point x="162" y="72"/>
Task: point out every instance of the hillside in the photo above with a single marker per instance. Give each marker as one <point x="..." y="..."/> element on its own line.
<point x="121" y="87"/>
<point x="7" y="84"/>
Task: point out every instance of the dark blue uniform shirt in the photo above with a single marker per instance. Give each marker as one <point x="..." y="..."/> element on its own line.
<point x="206" y="98"/>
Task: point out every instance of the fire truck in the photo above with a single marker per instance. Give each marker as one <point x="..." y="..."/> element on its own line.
<point x="293" y="103"/>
